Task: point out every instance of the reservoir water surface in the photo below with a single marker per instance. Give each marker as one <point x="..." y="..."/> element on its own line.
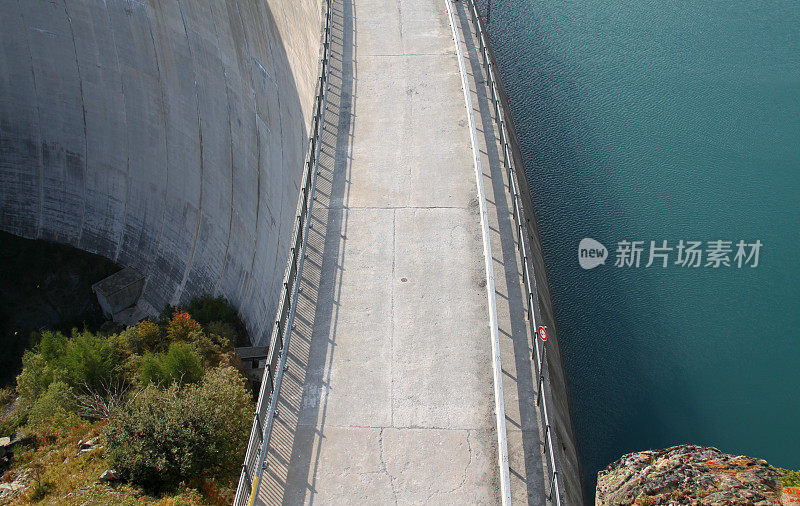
<point x="666" y="121"/>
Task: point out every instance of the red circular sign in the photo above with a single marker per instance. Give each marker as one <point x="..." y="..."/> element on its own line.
<point x="542" y="333"/>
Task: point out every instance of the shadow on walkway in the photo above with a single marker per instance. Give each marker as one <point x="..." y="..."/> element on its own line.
<point x="524" y="437"/>
<point x="301" y="404"/>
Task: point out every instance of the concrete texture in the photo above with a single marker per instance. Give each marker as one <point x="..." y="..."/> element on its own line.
<point x="167" y="135"/>
<point x="387" y="396"/>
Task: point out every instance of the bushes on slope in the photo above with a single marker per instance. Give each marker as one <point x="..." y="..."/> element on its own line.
<point x="170" y="435"/>
<point x="175" y="409"/>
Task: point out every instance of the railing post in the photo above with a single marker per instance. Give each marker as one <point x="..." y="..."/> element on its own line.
<point x="530" y="304"/>
<point x="546" y="436"/>
<point x="525" y="269"/>
<point x="260" y="429"/>
<point x="270" y="378"/>
<point x="552" y="484"/>
<point x="540" y="387"/>
<point x="247" y="477"/>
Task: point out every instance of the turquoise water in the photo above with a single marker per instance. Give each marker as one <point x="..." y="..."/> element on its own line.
<point x="666" y="120"/>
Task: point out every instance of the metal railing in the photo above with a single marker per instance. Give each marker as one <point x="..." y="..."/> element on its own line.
<point x="554" y="494"/>
<point x="497" y="366"/>
<point x="257" y="448"/>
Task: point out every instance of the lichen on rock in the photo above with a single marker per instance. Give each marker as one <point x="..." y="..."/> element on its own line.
<point x="688" y="474"/>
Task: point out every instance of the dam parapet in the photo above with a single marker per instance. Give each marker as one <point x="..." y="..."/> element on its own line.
<point x="559" y="440"/>
<point x="382" y="385"/>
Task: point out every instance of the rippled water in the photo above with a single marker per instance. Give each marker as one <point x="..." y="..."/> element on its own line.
<point x="666" y="120"/>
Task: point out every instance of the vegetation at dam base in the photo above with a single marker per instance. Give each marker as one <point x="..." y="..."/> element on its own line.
<point x="159" y="412"/>
<point x="44" y="285"/>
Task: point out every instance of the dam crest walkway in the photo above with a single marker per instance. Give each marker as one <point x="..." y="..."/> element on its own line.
<point x="387" y="395"/>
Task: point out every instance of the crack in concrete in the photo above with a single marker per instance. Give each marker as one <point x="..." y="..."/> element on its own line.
<point x="463" y="479"/>
<point x="383" y="466"/>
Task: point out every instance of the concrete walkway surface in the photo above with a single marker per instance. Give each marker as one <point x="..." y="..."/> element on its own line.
<point x="387" y="396"/>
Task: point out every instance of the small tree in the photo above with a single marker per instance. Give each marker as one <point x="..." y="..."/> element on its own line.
<point x="90" y="360"/>
<point x="180" y="326"/>
<point x="182" y="364"/>
<point x="52" y="346"/>
<point x="211" y="347"/>
<point x="145" y="336"/>
<point x="227" y="409"/>
<point x="35" y="377"/>
<point x="225" y="331"/>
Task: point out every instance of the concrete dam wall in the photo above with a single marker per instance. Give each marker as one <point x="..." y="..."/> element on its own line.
<point x="166" y="135"/>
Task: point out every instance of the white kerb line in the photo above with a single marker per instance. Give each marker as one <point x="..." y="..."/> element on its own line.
<point x="499" y="406"/>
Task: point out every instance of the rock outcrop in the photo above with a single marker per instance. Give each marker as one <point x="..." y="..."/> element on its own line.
<point x="688" y="474"/>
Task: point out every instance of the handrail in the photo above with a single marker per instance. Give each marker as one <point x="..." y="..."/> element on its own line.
<point x="529" y="281"/>
<point x="497" y="367"/>
<point x="258" y="444"/>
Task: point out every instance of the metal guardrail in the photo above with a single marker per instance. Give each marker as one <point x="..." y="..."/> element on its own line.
<point x="266" y="406"/>
<point x="554" y="494"/>
<point x="497" y="366"/>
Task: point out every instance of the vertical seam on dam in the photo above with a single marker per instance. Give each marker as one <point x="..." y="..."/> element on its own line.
<point x="230" y="135"/>
<point x="190" y="260"/>
<point x="126" y="134"/>
<point x="40" y="217"/>
<point x="249" y="283"/>
<point x="162" y="112"/>
<point x="277" y="256"/>
<point x="83" y="111"/>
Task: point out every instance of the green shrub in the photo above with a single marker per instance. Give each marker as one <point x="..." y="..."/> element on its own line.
<point x="211" y="347"/>
<point x="180" y="364"/>
<point x="150" y="371"/>
<point x="152" y="442"/>
<point x="52" y="346"/>
<point x="35" y="377"/>
<point x="120" y="343"/>
<point x="146" y="336"/>
<point x="85" y="359"/>
<point x="167" y="436"/>
<point x="53" y="411"/>
<point x="227" y="406"/>
<point x="207" y="308"/>
<point x="40" y="490"/>
<point x="225" y="331"/>
<point x="90" y="360"/>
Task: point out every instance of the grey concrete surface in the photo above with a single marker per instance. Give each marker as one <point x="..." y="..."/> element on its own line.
<point x="387" y="396"/>
<point x="167" y="135"/>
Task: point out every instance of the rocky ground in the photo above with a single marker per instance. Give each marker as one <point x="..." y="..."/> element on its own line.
<point x="688" y="475"/>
